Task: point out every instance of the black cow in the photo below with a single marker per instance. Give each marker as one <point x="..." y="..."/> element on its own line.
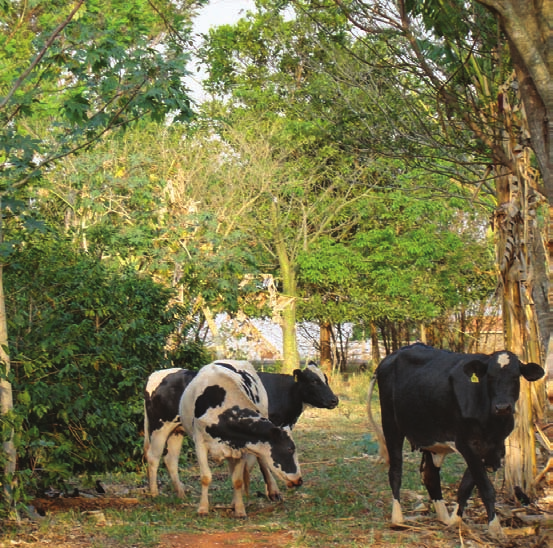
<point x="288" y="396"/>
<point x="444" y="401"/>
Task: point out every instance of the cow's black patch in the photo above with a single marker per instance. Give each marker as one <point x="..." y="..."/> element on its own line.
<point x="238" y="426"/>
<point x="248" y="381"/>
<point x="283" y="451"/>
<point x="163" y="403"/>
<point x="212" y="396"/>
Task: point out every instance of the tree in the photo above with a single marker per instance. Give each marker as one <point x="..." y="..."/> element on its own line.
<point x="467" y="65"/>
<point x="528" y="28"/>
<point x="411" y="260"/>
<point x="70" y="74"/>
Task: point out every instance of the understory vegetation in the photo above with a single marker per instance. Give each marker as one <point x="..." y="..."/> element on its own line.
<point x="345" y="499"/>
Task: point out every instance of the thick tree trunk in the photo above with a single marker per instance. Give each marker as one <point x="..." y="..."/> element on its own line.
<point x="518" y="237"/>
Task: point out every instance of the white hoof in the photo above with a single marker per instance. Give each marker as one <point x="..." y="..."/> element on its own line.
<point x="494" y="528"/>
<point x="441" y="511"/>
<point x="397" y="515"/>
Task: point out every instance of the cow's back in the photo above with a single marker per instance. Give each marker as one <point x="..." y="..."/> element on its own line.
<point x="416" y="394"/>
<point x="218" y="385"/>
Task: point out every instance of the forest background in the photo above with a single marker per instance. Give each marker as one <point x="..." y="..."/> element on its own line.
<point x="373" y="164"/>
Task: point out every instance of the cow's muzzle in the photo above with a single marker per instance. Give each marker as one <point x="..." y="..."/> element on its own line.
<point x="295" y="483"/>
<point x="503" y="409"/>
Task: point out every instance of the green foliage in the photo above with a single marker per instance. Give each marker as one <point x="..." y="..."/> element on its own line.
<point x="411" y="257"/>
<point x="71" y="72"/>
<point x="83" y="340"/>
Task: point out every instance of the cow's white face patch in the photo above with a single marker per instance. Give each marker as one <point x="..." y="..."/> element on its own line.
<point x="317" y="371"/>
<point x="503" y="360"/>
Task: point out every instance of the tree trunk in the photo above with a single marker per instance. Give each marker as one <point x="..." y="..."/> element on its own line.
<point x="325" y="349"/>
<point x="288" y="310"/>
<point x="518" y="237"/>
<point x="375" y="345"/>
<point x="6" y="396"/>
<point x="290" y="353"/>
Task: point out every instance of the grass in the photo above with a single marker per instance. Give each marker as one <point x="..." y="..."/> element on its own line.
<point x="345" y="499"/>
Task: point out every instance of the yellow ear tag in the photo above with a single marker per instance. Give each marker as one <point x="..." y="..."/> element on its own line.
<point x="474" y="378"/>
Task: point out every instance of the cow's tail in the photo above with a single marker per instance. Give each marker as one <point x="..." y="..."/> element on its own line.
<point x="382" y="450"/>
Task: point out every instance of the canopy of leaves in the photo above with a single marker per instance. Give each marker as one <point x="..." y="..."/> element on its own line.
<point x="69" y="72"/>
<point x="412" y="257"/>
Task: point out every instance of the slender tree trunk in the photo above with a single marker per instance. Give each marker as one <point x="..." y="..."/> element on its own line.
<point x="6" y="396"/>
<point x="325" y="349"/>
<point x="288" y="298"/>
<point x="375" y="345"/>
<point x="290" y="353"/>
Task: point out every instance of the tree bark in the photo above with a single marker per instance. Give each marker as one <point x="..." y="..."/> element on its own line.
<point x="287" y="299"/>
<point x="6" y="396"/>
<point x="325" y="347"/>
<point x="517" y="236"/>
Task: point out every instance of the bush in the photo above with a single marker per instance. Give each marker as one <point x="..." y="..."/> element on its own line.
<point x="82" y="341"/>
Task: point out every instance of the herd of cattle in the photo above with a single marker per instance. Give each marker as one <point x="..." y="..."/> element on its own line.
<point x="440" y="401"/>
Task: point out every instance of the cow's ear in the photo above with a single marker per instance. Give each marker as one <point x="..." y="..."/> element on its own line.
<point x="467" y="387"/>
<point x="475" y="370"/>
<point x="297" y="373"/>
<point x="531" y="371"/>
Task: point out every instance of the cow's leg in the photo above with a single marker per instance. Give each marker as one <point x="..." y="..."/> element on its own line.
<point x="430" y="472"/>
<point x="153" y="450"/>
<point x="463" y="494"/>
<point x="395" y="452"/>
<point x="205" y="476"/>
<point x="271" y="487"/>
<point x="171" y="459"/>
<point x="476" y="475"/>
<point x="237" y="470"/>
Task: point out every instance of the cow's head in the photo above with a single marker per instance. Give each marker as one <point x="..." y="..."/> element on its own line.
<point x="246" y="430"/>
<point x="284" y="457"/>
<point x="491" y="384"/>
<point x="314" y="387"/>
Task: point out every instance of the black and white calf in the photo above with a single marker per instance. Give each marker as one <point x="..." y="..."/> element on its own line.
<point x="444" y="401"/>
<point x="224" y="409"/>
<point x="288" y="396"/>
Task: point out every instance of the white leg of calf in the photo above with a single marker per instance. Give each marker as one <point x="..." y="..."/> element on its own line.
<point x="174" y="444"/>
<point x="494" y="528"/>
<point x="205" y="477"/>
<point x="397" y="515"/>
<point x="153" y="451"/>
<point x="441" y="511"/>
<point x="237" y="477"/>
<point x="203" y="508"/>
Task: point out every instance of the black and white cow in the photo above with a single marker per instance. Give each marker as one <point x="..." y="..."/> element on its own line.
<point x="288" y="396"/>
<point x="444" y="401"/>
<point x="224" y="409"/>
